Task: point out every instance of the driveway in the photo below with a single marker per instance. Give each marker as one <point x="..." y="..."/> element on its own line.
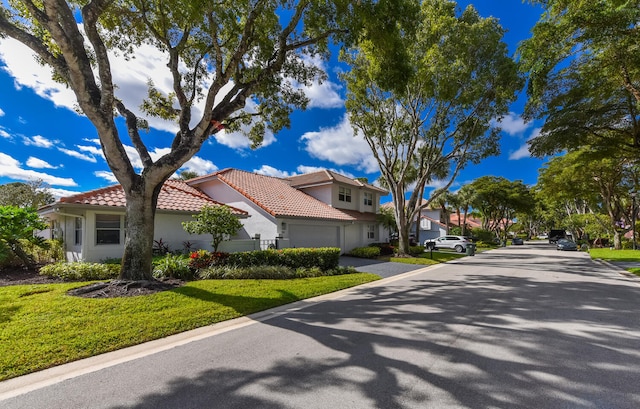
<point x="515" y="328"/>
<point x="384" y="269"/>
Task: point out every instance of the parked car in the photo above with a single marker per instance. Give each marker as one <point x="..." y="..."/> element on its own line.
<point x="566" y="244"/>
<point x="517" y="241"/>
<point x="457" y="243"/>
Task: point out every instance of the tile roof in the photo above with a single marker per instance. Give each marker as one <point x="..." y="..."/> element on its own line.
<point x="175" y="195"/>
<point x="278" y="198"/>
<point x="328" y="176"/>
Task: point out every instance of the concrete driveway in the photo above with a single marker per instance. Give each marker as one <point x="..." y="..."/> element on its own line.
<point x="384" y="269"/>
<point x="515" y="328"/>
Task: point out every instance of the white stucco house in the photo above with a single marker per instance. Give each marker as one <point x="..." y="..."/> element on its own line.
<point x="321" y="209"/>
<point x="430" y="222"/>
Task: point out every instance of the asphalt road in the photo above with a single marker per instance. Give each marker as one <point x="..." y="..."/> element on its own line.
<point x="518" y="327"/>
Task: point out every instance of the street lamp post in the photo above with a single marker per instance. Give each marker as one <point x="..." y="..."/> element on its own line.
<point x="633" y="217"/>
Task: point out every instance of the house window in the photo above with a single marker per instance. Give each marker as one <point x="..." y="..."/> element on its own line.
<point x="78" y="231"/>
<point x="368" y="199"/>
<point x="425" y="224"/>
<point x="107" y="229"/>
<point x="371" y="231"/>
<point x="344" y="194"/>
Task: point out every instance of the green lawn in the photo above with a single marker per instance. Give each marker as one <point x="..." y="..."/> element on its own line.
<point x="41" y="326"/>
<point x="618" y="255"/>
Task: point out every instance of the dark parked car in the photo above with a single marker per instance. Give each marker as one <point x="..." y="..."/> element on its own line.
<point x="517" y="241"/>
<point x="567" y="245"/>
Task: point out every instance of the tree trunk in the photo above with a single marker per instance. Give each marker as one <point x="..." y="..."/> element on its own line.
<point x="139" y="228"/>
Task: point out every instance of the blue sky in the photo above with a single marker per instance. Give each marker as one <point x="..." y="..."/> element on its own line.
<point x="41" y="136"/>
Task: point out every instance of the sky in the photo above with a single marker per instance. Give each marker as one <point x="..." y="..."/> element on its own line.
<point x="43" y="138"/>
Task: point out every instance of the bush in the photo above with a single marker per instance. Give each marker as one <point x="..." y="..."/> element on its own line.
<point x="325" y="258"/>
<point x="268" y="272"/>
<point x="365" y="252"/>
<point x="81" y="270"/>
<point x="203" y="259"/>
<point x="386" y="249"/>
<point x="416" y="250"/>
<point x="483" y="235"/>
<point x="173" y="266"/>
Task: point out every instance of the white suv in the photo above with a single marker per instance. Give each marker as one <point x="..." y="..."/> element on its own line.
<point x="457" y="243"/>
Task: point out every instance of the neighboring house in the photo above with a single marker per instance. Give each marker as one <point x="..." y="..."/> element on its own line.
<point x="431" y="224"/>
<point x="91" y="224"/>
<point x="471" y="222"/>
<point x="320" y="209"/>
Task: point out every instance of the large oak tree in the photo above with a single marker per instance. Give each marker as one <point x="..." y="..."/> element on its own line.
<point x="218" y="54"/>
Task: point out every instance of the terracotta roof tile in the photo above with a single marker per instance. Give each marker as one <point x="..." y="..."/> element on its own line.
<point x="174" y="195"/>
<point x="328" y="176"/>
<point x="278" y="198"/>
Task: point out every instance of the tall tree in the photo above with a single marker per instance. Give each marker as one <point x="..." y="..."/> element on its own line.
<point x="460" y="80"/>
<point x="218" y="53"/>
<point x="32" y="194"/>
<point x="499" y="200"/>
<point x="584" y="76"/>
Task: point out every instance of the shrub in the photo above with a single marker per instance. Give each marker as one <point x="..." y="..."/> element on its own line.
<point x="365" y="252"/>
<point x="203" y="258"/>
<point x="268" y="272"/>
<point x="325" y="258"/>
<point x="81" y="270"/>
<point x="173" y="266"/>
<point x="416" y="250"/>
<point x="386" y="249"/>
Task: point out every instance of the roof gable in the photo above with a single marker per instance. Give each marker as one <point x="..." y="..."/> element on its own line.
<point x="277" y="197"/>
<point x="326" y="177"/>
<point x="175" y="195"/>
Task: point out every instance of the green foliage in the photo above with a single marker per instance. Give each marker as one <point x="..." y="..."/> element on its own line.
<point x="483" y="235"/>
<point x="173" y="266"/>
<point x="30" y="195"/>
<point x="461" y="79"/>
<point x="219" y="221"/>
<point x="584" y="80"/>
<point x="386" y="249"/>
<point x="326" y="258"/>
<point x="80" y="270"/>
<point x="202" y="258"/>
<point x="269" y="272"/>
<point x="46" y="251"/>
<point x="416" y="250"/>
<point x="19" y="224"/>
<point x="365" y="252"/>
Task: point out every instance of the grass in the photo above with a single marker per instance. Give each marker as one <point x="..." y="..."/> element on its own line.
<point x="41" y="326"/>
<point x="618" y="255"/>
<point x="426" y="258"/>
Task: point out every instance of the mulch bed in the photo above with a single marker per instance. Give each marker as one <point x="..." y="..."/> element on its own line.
<point x="109" y="289"/>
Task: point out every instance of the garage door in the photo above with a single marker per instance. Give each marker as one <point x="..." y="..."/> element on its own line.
<point x="313" y="236"/>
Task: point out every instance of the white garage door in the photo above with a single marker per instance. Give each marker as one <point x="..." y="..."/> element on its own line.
<point x="313" y="236"/>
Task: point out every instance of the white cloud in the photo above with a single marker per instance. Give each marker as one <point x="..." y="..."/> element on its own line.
<point x="237" y="140"/>
<point x="5" y="134"/>
<point x="512" y="124"/>
<point x="58" y="193"/>
<point x="339" y="145"/>
<point x="108" y="176"/>
<point x="321" y="95"/>
<point x="523" y="151"/>
<point x="1" y="112"/>
<point x="11" y="168"/>
<point x="93" y="150"/>
<point x="199" y="165"/>
<point x="311" y="169"/>
<point x="271" y="171"/>
<point x="39" y="141"/>
<point x="39" y="163"/>
<point x="78" y="155"/>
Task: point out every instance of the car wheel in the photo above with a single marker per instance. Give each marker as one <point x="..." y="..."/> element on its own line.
<point x="459" y="249"/>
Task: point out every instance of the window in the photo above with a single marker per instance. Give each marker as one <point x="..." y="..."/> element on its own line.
<point x="78" y="231"/>
<point x="371" y="231"/>
<point x="107" y="229"/>
<point x="368" y="199"/>
<point x="344" y="194"/>
<point x="425" y="224"/>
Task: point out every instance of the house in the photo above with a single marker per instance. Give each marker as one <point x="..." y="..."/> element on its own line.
<point x="430" y="221"/>
<point x="321" y="209"/>
<point x="91" y="224"/>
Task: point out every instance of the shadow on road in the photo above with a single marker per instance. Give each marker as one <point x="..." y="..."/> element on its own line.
<point x="508" y="342"/>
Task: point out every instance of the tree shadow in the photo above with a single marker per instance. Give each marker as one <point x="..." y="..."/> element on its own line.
<point x="487" y="340"/>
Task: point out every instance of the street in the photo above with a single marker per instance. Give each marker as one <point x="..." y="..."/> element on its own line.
<point x="517" y="327"/>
